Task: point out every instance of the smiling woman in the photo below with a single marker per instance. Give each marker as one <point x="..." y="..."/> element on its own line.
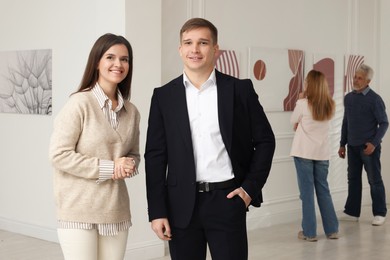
<point x="113" y="68"/>
<point x="94" y="148"/>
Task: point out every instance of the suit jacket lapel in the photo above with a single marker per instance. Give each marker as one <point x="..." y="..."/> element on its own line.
<point x="225" y="88"/>
<point x="180" y="109"/>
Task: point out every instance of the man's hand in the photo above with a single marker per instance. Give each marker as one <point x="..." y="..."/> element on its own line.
<point x="240" y="192"/>
<point x="370" y="148"/>
<point x="162" y="229"/>
<point x="342" y="152"/>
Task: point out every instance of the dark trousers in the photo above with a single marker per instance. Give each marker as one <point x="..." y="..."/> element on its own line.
<point x="372" y="165"/>
<point x="217" y="222"/>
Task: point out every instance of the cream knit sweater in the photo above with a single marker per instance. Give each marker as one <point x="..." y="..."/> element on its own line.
<point x="81" y="136"/>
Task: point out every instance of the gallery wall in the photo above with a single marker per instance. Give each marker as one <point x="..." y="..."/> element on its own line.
<point x="70" y="27"/>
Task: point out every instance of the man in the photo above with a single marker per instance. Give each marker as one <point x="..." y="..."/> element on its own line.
<point x="364" y="125"/>
<point x="209" y="151"/>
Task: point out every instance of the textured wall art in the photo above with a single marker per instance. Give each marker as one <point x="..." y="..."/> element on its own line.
<point x="277" y="75"/>
<point x="227" y="62"/>
<point x="26" y="82"/>
<point x="351" y="63"/>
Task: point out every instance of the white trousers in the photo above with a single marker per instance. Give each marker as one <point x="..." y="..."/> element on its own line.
<point x="81" y="244"/>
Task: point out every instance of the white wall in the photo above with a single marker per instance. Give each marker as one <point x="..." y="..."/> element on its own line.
<point x="383" y="62"/>
<point x="143" y="30"/>
<point x="70" y="27"/>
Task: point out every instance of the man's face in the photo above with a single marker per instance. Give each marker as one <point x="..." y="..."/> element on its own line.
<point x="197" y="50"/>
<point x="360" y="81"/>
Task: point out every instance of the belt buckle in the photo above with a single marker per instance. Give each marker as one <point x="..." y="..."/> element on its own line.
<point x="206" y="186"/>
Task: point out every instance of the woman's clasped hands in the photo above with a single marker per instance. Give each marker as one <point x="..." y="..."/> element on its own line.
<point x="124" y="167"/>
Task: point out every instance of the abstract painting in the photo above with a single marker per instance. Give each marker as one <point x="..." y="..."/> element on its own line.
<point x="26" y="82"/>
<point x="227" y="62"/>
<point x="277" y="75"/>
<point x="326" y="64"/>
<point x="352" y="62"/>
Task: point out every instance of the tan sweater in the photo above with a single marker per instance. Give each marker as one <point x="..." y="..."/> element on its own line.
<point x="81" y="136"/>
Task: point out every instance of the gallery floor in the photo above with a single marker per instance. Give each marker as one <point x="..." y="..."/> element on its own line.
<point x="358" y="240"/>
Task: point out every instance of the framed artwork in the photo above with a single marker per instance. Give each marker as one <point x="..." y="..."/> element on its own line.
<point x="26" y="82"/>
<point x="227" y="62"/>
<point x="277" y="75"/>
<point x="351" y="63"/>
<point x="326" y="64"/>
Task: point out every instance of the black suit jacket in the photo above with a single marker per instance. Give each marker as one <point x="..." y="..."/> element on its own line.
<point x="169" y="158"/>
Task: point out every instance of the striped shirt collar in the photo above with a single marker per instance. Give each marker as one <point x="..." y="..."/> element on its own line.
<point x="103" y="99"/>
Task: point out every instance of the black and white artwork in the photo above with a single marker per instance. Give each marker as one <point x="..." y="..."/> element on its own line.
<point x="26" y="82"/>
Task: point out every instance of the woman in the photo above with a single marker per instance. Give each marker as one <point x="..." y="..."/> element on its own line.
<point x="94" y="147"/>
<point x="310" y="150"/>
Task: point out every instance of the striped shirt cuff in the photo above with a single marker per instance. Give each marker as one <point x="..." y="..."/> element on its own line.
<point x="106" y="170"/>
<point x="135" y="169"/>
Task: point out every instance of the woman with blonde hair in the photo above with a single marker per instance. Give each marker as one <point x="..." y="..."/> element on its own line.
<point x="310" y="149"/>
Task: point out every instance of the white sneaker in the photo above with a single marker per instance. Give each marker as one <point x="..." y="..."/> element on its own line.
<point x="346" y="217"/>
<point x="378" y="221"/>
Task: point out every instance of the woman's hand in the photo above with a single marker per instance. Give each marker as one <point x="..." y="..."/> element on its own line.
<point x="124" y="167"/>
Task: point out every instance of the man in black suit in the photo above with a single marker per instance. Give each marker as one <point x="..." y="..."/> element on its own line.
<point x="209" y="152"/>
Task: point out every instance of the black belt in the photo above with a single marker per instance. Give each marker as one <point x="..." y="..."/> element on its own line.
<point x="209" y="186"/>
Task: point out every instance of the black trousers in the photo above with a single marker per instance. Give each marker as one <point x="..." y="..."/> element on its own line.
<point x="218" y="222"/>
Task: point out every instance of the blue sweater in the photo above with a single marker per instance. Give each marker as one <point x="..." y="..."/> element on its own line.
<point x="365" y="118"/>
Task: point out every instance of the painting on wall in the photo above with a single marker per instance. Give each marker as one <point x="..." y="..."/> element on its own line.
<point x="26" y="82"/>
<point x="326" y="64"/>
<point x="277" y="75"/>
<point x="227" y="62"/>
<point x="351" y="63"/>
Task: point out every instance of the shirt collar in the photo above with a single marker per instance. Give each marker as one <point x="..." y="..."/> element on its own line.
<point x="209" y="82"/>
<point x="364" y="92"/>
<point x="103" y="99"/>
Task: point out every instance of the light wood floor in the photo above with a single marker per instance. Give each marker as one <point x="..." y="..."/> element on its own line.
<point x="358" y="240"/>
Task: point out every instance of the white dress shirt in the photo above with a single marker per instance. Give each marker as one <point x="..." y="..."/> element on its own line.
<point x="212" y="161"/>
